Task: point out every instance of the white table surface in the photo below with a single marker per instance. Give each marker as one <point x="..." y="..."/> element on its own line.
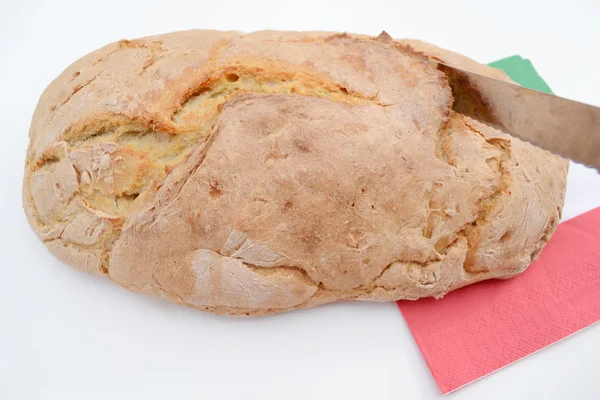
<point x="67" y="335"/>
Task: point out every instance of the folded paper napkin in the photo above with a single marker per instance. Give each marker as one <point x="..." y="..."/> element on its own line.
<point x="482" y="328"/>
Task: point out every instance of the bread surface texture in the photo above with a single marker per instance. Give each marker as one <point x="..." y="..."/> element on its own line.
<point x="248" y="174"/>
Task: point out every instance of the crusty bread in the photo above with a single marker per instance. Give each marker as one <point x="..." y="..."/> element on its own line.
<point x="249" y="174"/>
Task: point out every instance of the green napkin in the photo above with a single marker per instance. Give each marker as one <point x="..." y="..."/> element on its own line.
<point x="522" y="71"/>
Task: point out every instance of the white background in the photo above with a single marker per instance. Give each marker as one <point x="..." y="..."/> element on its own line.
<point x="67" y="335"/>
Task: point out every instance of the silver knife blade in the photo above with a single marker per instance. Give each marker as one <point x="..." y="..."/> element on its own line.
<point x="565" y="127"/>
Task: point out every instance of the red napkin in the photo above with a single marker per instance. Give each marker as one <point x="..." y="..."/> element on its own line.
<point x="479" y="329"/>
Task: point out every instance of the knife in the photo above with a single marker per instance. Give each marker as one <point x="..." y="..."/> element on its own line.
<point x="564" y="127"/>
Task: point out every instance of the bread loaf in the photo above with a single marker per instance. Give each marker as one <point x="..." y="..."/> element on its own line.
<point x="248" y="174"/>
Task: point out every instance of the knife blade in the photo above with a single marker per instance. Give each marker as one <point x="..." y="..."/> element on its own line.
<point x="565" y="127"/>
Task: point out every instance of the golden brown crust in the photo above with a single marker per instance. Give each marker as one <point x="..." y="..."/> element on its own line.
<point x="252" y="174"/>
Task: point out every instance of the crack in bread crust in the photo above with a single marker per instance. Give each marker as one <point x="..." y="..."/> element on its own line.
<point x="205" y="102"/>
<point x="489" y="206"/>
